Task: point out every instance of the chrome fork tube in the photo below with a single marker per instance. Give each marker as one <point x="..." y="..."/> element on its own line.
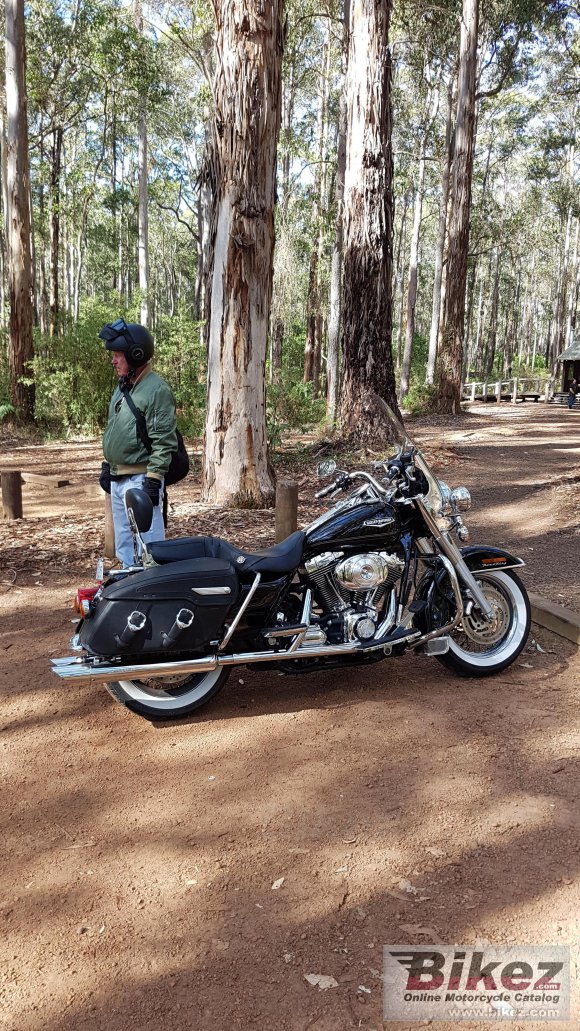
<point x="442" y="630"/>
<point x="452" y="552"/>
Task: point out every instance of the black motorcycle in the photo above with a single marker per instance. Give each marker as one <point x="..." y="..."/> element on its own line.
<point x="378" y="574"/>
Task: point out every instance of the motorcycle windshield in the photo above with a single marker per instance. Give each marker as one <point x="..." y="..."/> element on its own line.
<point x="435" y="496"/>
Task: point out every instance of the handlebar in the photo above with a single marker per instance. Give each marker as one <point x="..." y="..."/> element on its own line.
<point x="344" y="480"/>
<point x="326" y="491"/>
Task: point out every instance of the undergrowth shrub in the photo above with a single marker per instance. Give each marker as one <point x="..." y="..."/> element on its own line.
<point x="291" y="406"/>
<point x="74" y="377"/>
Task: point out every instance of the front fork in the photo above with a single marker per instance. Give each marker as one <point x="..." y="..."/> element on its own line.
<point x="448" y="547"/>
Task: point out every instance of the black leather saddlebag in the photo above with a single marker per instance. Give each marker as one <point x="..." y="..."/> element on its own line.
<point x="170" y="609"/>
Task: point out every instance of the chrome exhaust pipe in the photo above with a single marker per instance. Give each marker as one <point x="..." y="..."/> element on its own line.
<point x="78" y="668"/>
<point x="84" y="669"/>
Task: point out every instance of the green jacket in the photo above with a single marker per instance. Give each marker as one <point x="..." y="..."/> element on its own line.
<point x="122" y="447"/>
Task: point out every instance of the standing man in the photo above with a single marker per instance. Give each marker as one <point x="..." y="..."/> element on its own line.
<point x="137" y="447"/>
<point x="572" y="391"/>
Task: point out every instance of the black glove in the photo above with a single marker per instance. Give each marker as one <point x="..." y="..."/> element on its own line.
<point x="152" y="488"/>
<point x="105" y="477"/>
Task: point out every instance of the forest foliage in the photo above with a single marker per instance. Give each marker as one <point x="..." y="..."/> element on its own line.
<point x="93" y="65"/>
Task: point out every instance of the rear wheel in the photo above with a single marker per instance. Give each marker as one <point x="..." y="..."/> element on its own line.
<point x="479" y="648"/>
<point x="169" y="698"/>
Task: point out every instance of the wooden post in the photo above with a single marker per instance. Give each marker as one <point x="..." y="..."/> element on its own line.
<point x="515" y="393"/>
<point x="498" y="391"/>
<point x="484" y="391"/>
<point x="109" y="528"/>
<point x="12" y="493"/>
<point x="473" y="386"/>
<point x="286" y="509"/>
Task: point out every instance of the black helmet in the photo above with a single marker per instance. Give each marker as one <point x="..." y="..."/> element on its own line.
<point x="133" y="340"/>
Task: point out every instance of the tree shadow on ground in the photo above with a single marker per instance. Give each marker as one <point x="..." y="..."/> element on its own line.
<point x="140" y="864"/>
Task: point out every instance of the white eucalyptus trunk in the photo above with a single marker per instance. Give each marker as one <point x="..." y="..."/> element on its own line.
<point x="450" y="356"/>
<point x="440" y="244"/>
<point x="558" y="331"/>
<point x="143" y="194"/>
<point x="574" y="287"/>
<point x="18" y="212"/>
<point x="247" y="88"/>
<point x="413" y="275"/>
<point x="335" y="309"/>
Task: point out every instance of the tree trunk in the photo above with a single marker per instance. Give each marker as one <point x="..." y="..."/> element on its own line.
<point x="312" y="351"/>
<point x="451" y="350"/>
<point x="367" y="322"/>
<point x="4" y="201"/>
<point x="203" y="215"/>
<point x="492" y="341"/>
<point x="333" y="347"/>
<point x="276" y="350"/>
<point x="477" y="363"/>
<point x="311" y="311"/>
<point x="18" y="213"/>
<point x="55" y="169"/>
<point x="441" y="236"/>
<point x="247" y="86"/>
<point x="288" y="100"/>
<point x="143" y="194"/>
<point x="574" y="286"/>
<point x="413" y="273"/>
<point x="558" y="332"/>
<point x="115" y="243"/>
<point x="399" y="284"/>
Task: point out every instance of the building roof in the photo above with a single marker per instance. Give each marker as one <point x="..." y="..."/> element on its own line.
<point x="571" y="354"/>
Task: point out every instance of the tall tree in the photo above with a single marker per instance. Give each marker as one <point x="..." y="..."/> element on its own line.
<point x="431" y="105"/>
<point x="441" y="237"/>
<point x="246" y="123"/>
<point x="143" y="192"/>
<point x="368" y="208"/>
<point x="450" y="356"/>
<point x="18" y="212"/>
<point x="333" y="346"/>
<point x="313" y="344"/>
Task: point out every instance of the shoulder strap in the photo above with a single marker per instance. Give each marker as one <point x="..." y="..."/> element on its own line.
<point x="140" y="420"/>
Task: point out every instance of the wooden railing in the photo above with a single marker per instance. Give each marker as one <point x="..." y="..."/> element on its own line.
<point x="518" y="388"/>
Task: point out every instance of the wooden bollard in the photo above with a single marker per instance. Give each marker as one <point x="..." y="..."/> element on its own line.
<point x="286" y="509"/>
<point x="12" y="493"/>
<point x="109" y="528"/>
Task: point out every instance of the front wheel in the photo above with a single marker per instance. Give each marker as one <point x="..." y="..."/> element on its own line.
<point x="169" y="698"/>
<point x="478" y="648"/>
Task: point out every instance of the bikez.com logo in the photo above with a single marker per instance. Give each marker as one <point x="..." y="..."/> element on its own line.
<point x="434" y="977"/>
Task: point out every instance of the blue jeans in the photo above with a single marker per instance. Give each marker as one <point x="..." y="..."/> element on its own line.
<point x="571" y="400"/>
<point x="123" y="535"/>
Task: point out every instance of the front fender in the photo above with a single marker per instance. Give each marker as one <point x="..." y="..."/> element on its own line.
<point x="434" y="602"/>
<point x="479" y="557"/>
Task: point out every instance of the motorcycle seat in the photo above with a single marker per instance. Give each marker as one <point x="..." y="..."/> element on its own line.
<point x="281" y="558"/>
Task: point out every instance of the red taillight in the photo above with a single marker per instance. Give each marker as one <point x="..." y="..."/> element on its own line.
<point x="83" y="598"/>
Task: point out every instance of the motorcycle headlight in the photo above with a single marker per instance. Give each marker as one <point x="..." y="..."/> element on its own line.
<point x="460" y="499"/>
<point x="446" y="507"/>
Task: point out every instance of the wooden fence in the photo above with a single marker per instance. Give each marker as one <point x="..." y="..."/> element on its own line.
<point x="515" y="389"/>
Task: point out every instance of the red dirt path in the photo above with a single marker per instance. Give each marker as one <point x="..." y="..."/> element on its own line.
<point x="139" y="858"/>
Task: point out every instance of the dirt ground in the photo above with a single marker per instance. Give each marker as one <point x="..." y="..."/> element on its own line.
<point x="139" y="858"/>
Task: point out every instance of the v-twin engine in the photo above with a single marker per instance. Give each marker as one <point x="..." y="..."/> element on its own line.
<point x="350" y="591"/>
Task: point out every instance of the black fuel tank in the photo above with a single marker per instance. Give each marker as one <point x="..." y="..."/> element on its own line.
<point x="369" y="526"/>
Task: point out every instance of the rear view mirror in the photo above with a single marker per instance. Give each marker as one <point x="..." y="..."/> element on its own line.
<point x="326" y="468"/>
